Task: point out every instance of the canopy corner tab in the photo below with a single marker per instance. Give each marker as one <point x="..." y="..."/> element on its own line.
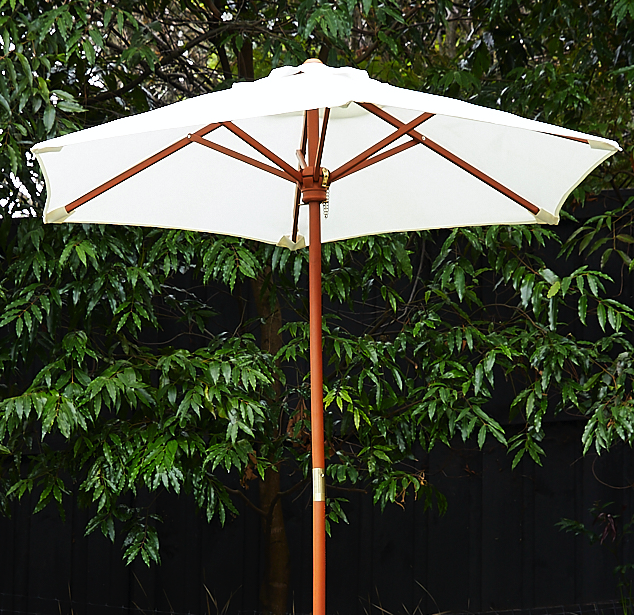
<point x="595" y="144"/>
<point x="57" y="216"/>
<point x="287" y="242"/>
<point x="46" y="149"/>
<point x="544" y="217"/>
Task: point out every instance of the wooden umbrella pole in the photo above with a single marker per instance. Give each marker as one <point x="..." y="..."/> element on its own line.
<point x="314" y="199"/>
<point x="317" y="415"/>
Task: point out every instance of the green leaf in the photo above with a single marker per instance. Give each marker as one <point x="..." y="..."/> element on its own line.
<point x="621" y="10"/>
<point x="489" y="362"/>
<point x="594" y="287"/>
<point x="478" y="378"/>
<point x="26" y="67"/>
<point x="5" y="104"/>
<point x="554" y="289"/>
<point x="96" y="37"/>
<point x="583" y="308"/>
<point x="107" y="17"/>
<point x="459" y="278"/>
<point x="13" y="157"/>
<point x="70" y="107"/>
<point x="89" y="50"/>
<point x="517" y="458"/>
<point x="482" y="434"/>
<point x="614" y="318"/>
<point x="49" y="117"/>
<point x="601" y="315"/>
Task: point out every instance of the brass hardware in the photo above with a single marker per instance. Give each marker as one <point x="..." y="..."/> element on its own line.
<point x="325" y="177"/>
<point x="325" y="182"/>
<point x="319" y="485"/>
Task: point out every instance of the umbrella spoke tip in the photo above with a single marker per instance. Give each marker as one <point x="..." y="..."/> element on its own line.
<point x="545" y="217"/>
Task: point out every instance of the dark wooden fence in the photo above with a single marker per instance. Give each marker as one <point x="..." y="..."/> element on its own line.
<point x="497" y="548"/>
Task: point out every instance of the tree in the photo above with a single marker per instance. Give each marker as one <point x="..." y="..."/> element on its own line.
<point x="120" y="371"/>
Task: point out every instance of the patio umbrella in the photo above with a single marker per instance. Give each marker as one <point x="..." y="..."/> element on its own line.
<point x="259" y="160"/>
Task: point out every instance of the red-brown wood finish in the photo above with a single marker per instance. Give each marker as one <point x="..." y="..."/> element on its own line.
<point x="453" y="158"/>
<point x="137" y="168"/>
<point x="316" y="361"/>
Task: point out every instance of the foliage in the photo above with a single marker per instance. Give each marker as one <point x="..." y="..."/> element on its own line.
<point x="613" y="533"/>
<point x="130" y="359"/>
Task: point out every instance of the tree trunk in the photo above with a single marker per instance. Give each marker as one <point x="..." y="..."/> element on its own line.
<point x="245" y="60"/>
<point x="275" y="577"/>
<point x="451" y="35"/>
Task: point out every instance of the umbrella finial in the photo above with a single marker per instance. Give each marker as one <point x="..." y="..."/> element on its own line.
<point x="313" y="61"/>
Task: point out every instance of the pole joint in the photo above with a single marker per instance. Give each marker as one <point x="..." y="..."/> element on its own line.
<point x="319" y="485"/>
<point x="312" y="191"/>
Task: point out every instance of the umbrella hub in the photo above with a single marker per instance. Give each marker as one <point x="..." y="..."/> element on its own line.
<point x="314" y="190"/>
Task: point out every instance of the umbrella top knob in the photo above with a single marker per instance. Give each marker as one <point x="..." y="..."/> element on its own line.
<point x="313" y="61"/>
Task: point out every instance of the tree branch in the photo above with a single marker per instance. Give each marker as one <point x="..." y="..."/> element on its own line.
<point x="166" y="59"/>
<point x="353" y="489"/>
<point x="249" y="503"/>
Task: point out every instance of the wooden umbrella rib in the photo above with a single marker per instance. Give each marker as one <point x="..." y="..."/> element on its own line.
<point x="304" y="139"/>
<point x="137" y="168"/>
<point x="298" y="190"/>
<point x="233" y="154"/>
<point x="322" y="140"/>
<point x="578" y="139"/>
<point x="357" y="163"/>
<point x="298" y="198"/>
<point x="483" y="177"/>
<point x="301" y="159"/>
<point x="256" y="145"/>
<point x="312" y="127"/>
<point x="370" y="161"/>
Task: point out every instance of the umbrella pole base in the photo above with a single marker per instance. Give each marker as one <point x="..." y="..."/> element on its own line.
<point x="319" y="558"/>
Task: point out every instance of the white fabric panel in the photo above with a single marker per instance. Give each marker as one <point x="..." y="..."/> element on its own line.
<point x="293" y="89"/>
<point x="78" y="169"/>
<point x="426" y="192"/>
<point x="198" y="194"/>
<point x="539" y="167"/>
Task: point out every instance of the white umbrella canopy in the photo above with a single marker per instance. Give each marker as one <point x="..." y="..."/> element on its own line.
<point x="227" y="163"/>
<point x="460" y="164"/>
